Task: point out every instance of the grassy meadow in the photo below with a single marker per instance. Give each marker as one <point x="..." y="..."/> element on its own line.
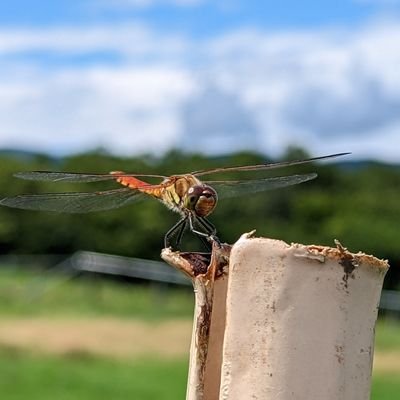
<point x="91" y="338"/>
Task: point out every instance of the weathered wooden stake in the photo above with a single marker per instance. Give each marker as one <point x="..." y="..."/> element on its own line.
<point x="209" y="278"/>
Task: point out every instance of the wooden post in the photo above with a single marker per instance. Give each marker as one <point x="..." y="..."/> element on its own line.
<point x="209" y="278"/>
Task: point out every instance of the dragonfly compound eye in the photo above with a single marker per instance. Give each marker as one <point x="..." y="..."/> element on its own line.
<point x="201" y="199"/>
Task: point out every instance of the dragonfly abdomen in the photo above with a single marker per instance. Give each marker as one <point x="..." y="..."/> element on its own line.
<point x="133" y="183"/>
<point x="129" y="181"/>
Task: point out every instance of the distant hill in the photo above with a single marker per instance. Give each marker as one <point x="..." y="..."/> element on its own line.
<point x="26" y="155"/>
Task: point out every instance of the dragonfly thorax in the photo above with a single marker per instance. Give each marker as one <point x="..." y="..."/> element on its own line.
<point x="201" y="199"/>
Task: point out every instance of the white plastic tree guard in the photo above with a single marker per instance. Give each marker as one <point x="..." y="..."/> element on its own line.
<point x="276" y="322"/>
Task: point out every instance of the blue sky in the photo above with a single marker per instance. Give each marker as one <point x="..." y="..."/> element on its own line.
<point x="200" y="17"/>
<point x="138" y="76"/>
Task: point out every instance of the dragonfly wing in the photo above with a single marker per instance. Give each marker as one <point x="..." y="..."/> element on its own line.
<point x="226" y="189"/>
<point x="261" y="167"/>
<point x="74" y="177"/>
<point x="74" y="202"/>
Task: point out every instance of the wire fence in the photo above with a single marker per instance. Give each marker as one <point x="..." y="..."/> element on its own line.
<point x="71" y="266"/>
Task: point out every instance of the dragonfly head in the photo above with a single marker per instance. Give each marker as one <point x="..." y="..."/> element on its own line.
<point x="201" y="199"/>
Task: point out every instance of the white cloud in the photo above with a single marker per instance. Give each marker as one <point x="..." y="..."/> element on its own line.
<point x="324" y="89"/>
<point x="303" y="86"/>
<point x="218" y="122"/>
<point x="127" y="40"/>
<point x="128" y="111"/>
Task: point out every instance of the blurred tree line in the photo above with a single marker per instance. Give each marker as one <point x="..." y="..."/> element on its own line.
<point x="355" y="202"/>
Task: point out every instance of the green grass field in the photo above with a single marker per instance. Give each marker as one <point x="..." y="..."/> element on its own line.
<point x="38" y="293"/>
<point x="40" y="377"/>
<point x="385" y="387"/>
<point x="31" y="374"/>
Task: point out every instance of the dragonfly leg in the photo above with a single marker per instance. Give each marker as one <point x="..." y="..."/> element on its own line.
<point x="206" y="234"/>
<point x="181" y="224"/>
<point x="209" y="228"/>
<point x="181" y="232"/>
<point x="204" y="239"/>
<point x="207" y="225"/>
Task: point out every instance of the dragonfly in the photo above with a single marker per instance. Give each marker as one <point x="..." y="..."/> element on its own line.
<point x="186" y="194"/>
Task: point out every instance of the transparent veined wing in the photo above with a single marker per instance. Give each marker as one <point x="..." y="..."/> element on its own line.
<point x="227" y="189"/>
<point x="74" y="202"/>
<point x="75" y="176"/>
<point x="261" y="167"/>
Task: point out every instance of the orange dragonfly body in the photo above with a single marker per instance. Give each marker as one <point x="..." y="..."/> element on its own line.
<point x="186" y="194"/>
